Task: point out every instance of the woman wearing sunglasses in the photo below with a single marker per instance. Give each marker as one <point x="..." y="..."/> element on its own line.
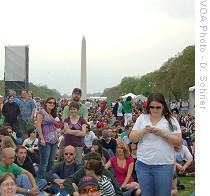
<point x="48" y="138"/>
<point x="157" y="132"/>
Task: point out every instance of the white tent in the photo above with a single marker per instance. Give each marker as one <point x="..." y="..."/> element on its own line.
<point x="129" y="94"/>
<point x="141" y="97"/>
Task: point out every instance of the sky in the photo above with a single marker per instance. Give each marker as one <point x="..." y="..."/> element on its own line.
<point x="123" y="38"/>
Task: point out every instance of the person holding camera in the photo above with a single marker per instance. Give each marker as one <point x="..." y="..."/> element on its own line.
<point x="31" y="144"/>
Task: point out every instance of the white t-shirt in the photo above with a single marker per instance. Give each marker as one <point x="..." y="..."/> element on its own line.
<point x="183" y="155"/>
<point x="89" y="139"/>
<point x="28" y="141"/>
<point x="152" y="149"/>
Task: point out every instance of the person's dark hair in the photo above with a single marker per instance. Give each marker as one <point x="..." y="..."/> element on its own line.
<point x="31" y="130"/>
<point x="77" y="90"/>
<point x="11" y="96"/>
<point x="20" y="147"/>
<point x="54" y="110"/>
<point x="160" y="98"/>
<point x="128" y="98"/>
<point x="5" y="176"/>
<point x="73" y="104"/>
<point x="3" y="131"/>
<point x="97" y="142"/>
<point x="92" y="156"/>
<point x="96" y="166"/>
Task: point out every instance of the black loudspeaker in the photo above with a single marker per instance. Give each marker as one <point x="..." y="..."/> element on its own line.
<point x="16" y="68"/>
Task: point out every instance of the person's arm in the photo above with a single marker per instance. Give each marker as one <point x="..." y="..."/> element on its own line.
<point x="32" y="113"/>
<point x="23" y="191"/>
<point x="80" y="133"/>
<point x="49" y="175"/>
<point x="33" y="107"/>
<point x="129" y="173"/>
<point x="3" y="111"/>
<point x="173" y="139"/>
<point x="85" y="113"/>
<point x="108" y="165"/>
<point x="114" y="182"/>
<point x="136" y="135"/>
<point x="73" y="179"/>
<point x="39" y="127"/>
<point x="34" y="190"/>
<point x="65" y="113"/>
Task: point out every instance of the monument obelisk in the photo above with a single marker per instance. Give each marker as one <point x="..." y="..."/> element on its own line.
<point x="83" y="79"/>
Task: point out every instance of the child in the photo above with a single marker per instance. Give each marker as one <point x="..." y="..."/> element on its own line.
<point x="94" y="168"/>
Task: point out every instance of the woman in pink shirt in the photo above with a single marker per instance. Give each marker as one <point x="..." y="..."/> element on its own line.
<point x="123" y="165"/>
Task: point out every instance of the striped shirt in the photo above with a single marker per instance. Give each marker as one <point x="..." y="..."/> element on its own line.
<point x="106" y="186"/>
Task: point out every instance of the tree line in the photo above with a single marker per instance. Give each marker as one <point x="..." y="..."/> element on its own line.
<point x="38" y="90"/>
<point x="172" y="79"/>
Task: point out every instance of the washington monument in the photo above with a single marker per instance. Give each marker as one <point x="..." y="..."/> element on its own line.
<point x="83" y="80"/>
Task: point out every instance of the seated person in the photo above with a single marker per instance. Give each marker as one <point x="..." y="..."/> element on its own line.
<point x="88" y="186"/>
<point x="11" y="133"/>
<point x="88" y="139"/>
<point x="94" y="168"/>
<point x="23" y="160"/>
<point x="26" y="183"/>
<point x="123" y="165"/>
<point x="31" y="144"/>
<point x="61" y="171"/>
<point x="6" y="190"/>
<point x="97" y="147"/>
<point x="108" y="142"/>
<point x="7" y="142"/>
<point x="183" y="159"/>
<point x="75" y="178"/>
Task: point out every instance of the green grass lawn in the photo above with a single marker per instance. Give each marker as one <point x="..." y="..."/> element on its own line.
<point x="189" y="183"/>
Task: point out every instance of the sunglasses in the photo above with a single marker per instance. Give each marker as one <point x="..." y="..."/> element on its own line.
<point x="71" y="154"/>
<point x="51" y="102"/>
<point x="89" y="190"/>
<point x="114" y="131"/>
<point x="153" y="107"/>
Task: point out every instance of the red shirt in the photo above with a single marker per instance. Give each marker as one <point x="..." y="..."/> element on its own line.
<point x="121" y="173"/>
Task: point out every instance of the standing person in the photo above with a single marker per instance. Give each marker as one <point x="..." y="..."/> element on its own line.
<point x="11" y="112"/>
<point x="48" y="138"/>
<point x="30" y="93"/>
<point x="118" y="110"/>
<point x="127" y="106"/>
<point x="75" y="131"/>
<point x="83" y="111"/>
<point x="1" y="106"/>
<point x="157" y="132"/>
<point x="27" y="109"/>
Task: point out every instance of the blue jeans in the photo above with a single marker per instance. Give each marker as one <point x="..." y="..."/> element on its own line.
<point x="47" y="156"/>
<point x="155" y="180"/>
<point x="24" y="182"/>
<point x="56" y="188"/>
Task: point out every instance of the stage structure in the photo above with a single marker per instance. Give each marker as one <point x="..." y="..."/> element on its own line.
<point x="16" y="68"/>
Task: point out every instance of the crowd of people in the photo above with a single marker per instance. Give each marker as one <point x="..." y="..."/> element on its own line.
<point x="86" y="147"/>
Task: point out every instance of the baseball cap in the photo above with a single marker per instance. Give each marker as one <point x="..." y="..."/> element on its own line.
<point x="87" y="181"/>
